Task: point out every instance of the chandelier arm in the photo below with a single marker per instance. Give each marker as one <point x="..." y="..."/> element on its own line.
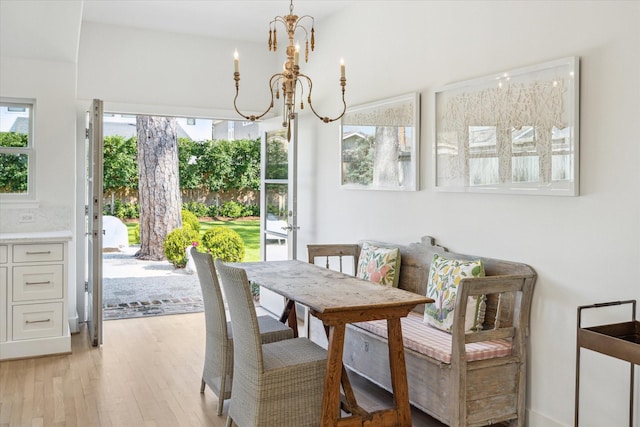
<point x="301" y="86"/>
<point x="325" y="119"/>
<point x="278" y="19"/>
<point x="252" y="117"/>
<point x="299" y="24"/>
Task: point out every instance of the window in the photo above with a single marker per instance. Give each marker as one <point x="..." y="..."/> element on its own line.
<point x="17" y="155"/>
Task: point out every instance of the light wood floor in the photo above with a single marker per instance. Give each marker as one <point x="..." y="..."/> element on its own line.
<point x="147" y="373"/>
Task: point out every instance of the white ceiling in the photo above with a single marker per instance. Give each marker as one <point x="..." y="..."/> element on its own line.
<point x="51" y="29"/>
<point x="229" y="19"/>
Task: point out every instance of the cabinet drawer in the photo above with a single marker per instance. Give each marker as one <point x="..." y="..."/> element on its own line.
<point x="37" y="321"/>
<point x="3" y="254"/>
<point x="37" y="282"/>
<point x="38" y="253"/>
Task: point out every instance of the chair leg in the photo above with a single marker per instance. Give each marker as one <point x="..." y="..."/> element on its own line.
<point x="202" y="384"/>
<point x="229" y="422"/>
<point x="223" y="390"/>
<point x="221" y="404"/>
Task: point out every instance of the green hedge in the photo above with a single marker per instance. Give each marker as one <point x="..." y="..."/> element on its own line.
<point x="213" y="166"/>
<point x="229" y="209"/>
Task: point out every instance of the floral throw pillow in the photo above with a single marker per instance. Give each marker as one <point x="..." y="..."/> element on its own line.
<point x="444" y="277"/>
<point x="379" y="265"/>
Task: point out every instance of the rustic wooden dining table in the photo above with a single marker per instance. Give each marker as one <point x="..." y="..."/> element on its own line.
<point x="338" y="299"/>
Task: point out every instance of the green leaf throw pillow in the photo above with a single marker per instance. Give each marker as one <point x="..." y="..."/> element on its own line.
<point x="444" y="277"/>
<point x="379" y="265"/>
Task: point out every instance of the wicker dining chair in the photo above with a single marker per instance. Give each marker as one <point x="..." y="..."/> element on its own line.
<point x="275" y="384"/>
<point x="218" y="359"/>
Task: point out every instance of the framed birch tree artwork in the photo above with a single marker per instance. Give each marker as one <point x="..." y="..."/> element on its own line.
<point x="512" y="132"/>
<point x="379" y="144"/>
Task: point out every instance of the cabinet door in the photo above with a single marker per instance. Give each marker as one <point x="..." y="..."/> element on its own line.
<point x="3" y="304"/>
<point x="37" y="282"/>
<point x="31" y="321"/>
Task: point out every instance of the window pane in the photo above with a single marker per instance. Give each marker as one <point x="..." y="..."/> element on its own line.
<point x="483" y="171"/>
<point x="562" y="168"/>
<point x="277" y="161"/>
<point x="14" y="125"/>
<point x="483" y="160"/>
<point x="482" y="140"/>
<point x="525" y="169"/>
<point x="14" y="176"/>
<point x="9" y="139"/>
<point x="277" y="207"/>
<point x="357" y="154"/>
<point x="523" y="140"/>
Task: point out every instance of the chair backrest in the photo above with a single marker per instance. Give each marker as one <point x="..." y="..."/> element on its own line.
<point x="214" y="313"/>
<point x="333" y="255"/>
<point x="247" y="346"/>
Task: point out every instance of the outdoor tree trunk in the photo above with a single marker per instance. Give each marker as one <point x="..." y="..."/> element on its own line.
<point x="159" y="184"/>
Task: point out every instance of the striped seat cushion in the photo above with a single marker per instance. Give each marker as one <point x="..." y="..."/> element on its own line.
<point x="432" y="342"/>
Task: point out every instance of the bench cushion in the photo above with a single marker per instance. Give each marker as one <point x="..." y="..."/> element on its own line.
<point x="435" y="343"/>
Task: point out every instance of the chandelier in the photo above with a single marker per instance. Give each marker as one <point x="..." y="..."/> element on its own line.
<point x="290" y="81"/>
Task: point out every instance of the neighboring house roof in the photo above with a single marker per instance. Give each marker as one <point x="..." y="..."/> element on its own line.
<point x="21" y="125"/>
<point x="128" y="130"/>
<point x="354" y="135"/>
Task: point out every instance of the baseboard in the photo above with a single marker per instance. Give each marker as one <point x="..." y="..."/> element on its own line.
<point x="536" y="419"/>
<point x="74" y="327"/>
<point x="35" y="347"/>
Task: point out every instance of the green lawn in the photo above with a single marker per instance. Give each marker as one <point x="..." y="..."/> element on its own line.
<point x="249" y="230"/>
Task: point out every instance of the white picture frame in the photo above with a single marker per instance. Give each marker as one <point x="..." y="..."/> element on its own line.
<point x="379" y="145"/>
<point x="513" y="132"/>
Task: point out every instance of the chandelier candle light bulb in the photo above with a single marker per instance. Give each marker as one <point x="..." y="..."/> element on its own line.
<point x="236" y="61"/>
<point x="291" y="80"/>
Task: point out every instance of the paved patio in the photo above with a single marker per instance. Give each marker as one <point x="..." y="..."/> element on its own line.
<point x="136" y="288"/>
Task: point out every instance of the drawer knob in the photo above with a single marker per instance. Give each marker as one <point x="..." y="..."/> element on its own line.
<point x="38" y="252"/>
<point x="38" y="283"/>
<point x="37" y="321"/>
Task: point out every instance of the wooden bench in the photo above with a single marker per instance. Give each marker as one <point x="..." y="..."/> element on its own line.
<point x="462" y="379"/>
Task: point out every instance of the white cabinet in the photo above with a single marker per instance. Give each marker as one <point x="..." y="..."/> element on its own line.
<point x="3" y="295"/>
<point x="33" y="297"/>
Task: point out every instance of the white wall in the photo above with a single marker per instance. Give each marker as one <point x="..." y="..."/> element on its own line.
<point x="585" y="249"/>
<point x="164" y="73"/>
<point x="52" y="85"/>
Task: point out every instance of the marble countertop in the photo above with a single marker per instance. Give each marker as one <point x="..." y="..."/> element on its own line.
<point x="38" y="235"/>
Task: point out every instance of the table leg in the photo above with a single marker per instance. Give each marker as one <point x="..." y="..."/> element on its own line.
<point x="350" y="397"/>
<point x="290" y="316"/>
<point x="331" y="398"/>
<point x="398" y="371"/>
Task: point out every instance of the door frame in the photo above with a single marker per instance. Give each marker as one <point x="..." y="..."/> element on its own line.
<point x="291" y="234"/>
<point x="95" y="158"/>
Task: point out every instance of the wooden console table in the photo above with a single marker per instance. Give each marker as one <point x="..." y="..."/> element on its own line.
<point x="619" y="340"/>
<point x="338" y="299"/>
